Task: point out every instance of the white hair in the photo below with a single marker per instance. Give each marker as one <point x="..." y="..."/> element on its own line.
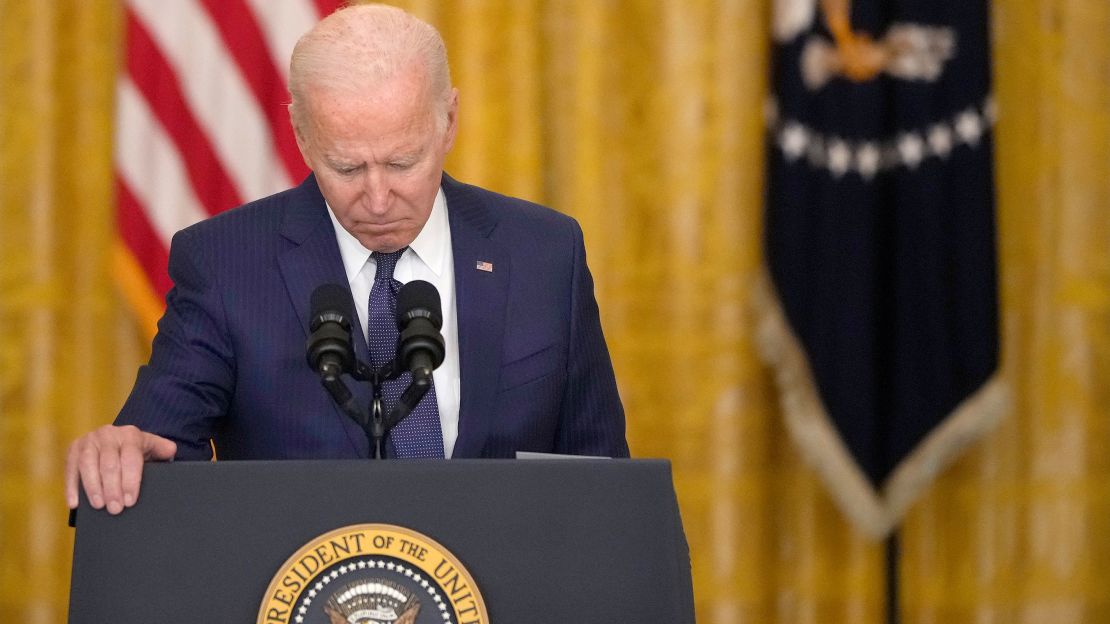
<point x="360" y="47"/>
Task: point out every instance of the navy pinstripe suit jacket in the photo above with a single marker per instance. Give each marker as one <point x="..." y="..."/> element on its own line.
<point x="228" y="362"/>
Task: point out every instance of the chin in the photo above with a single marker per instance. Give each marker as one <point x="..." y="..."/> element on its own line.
<point x="384" y="244"/>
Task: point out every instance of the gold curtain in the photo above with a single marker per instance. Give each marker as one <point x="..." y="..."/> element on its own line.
<point x="643" y="119"/>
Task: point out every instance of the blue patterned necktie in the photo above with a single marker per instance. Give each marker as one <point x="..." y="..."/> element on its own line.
<point x="419" y="434"/>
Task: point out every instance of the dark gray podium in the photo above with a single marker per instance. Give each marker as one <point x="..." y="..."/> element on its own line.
<point x="544" y="540"/>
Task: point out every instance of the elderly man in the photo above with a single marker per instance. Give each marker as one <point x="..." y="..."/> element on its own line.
<point x="375" y="115"/>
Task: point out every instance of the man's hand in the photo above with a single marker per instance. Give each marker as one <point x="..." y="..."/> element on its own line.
<point x="109" y="462"/>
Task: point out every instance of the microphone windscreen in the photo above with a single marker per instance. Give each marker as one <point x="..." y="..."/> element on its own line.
<point x="419" y="299"/>
<point x="329" y="298"/>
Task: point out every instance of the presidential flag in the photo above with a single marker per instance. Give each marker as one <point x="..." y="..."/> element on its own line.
<point x="880" y="314"/>
<point x="201" y="123"/>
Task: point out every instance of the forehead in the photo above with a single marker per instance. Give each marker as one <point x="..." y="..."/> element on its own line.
<point x="397" y="117"/>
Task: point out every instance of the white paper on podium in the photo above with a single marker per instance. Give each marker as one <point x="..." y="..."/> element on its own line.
<point x="534" y="455"/>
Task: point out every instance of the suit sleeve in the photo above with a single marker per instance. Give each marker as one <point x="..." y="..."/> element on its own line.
<point x="186" y="387"/>
<point x="591" y="416"/>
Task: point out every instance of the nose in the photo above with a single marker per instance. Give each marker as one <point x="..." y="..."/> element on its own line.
<point x="378" y="191"/>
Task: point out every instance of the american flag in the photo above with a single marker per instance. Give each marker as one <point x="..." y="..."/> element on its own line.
<point x="201" y="123"/>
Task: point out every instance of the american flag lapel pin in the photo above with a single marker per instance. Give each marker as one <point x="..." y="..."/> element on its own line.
<point x="484" y="266"/>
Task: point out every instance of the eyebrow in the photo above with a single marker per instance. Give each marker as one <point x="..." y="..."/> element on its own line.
<point x="411" y="155"/>
<point x="341" y="165"/>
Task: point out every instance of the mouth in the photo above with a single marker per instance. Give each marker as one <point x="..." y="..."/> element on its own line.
<point x="376" y="228"/>
<point x="374" y="235"/>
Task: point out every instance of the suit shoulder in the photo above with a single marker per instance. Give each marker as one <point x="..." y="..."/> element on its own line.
<point x="260" y="215"/>
<point x="514" y="213"/>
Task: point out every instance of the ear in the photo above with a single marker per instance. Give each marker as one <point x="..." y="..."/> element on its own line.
<point x="299" y="134"/>
<point x="452" y="121"/>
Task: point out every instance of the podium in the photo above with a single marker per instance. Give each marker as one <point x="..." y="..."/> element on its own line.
<point x="550" y="540"/>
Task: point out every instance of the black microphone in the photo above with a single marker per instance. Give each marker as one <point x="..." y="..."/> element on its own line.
<point x="329" y="349"/>
<point x="420" y="345"/>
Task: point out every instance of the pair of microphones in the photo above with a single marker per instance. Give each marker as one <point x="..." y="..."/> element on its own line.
<point x="420" y="348"/>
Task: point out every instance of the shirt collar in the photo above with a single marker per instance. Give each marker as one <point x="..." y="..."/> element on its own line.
<point x="430" y="245"/>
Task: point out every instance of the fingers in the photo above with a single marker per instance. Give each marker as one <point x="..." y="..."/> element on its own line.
<point x="132" y="456"/>
<point x="131" y="472"/>
<point x="111" y="475"/>
<point x="88" y="467"/>
<point x="158" y="448"/>
<point x="108" y="462"/>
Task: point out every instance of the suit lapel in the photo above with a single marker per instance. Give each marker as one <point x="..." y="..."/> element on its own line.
<point x="480" y="307"/>
<point x="314" y="260"/>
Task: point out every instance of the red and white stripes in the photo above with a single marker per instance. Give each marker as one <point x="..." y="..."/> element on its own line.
<point x="201" y="122"/>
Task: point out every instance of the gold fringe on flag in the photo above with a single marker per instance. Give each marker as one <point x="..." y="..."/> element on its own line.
<point x="875" y="513"/>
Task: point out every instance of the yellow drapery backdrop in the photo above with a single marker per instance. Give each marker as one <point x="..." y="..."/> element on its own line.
<point x="643" y="119"/>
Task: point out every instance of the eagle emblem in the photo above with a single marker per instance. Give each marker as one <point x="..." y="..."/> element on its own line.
<point x="905" y="52"/>
<point x="372" y="601"/>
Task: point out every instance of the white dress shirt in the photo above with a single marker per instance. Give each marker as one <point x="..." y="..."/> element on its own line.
<point x="428" y="258"/>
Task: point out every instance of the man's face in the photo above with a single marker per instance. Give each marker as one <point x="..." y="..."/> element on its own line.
<point x="379" y="159"/>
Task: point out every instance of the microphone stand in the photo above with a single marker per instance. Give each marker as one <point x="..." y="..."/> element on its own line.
<point x="373" y="422"/>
